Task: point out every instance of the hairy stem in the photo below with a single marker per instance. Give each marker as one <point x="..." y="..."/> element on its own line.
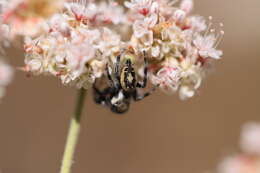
<point x="73" y="134"/>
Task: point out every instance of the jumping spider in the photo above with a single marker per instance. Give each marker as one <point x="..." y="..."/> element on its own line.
<point x="123" y="85"/>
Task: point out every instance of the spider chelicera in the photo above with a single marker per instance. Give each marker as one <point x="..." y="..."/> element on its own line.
<point x="123" y="85"/>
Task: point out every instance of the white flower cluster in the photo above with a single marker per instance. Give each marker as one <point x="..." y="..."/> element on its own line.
<point x="249" y="160"/>
<point x="78" y="42"/>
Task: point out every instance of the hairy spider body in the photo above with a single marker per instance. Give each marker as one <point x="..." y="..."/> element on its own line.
<point x="123" y="85"/>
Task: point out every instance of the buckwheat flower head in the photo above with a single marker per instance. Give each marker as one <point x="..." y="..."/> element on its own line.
<point x="85" y="36"/>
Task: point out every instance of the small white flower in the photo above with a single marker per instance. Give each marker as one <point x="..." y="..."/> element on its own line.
<point x="3" y="5"/>
<point x="27" y="17"/>
<point x="82" y="34"/>
<point x="6" y="76"/>
<point x="191" y="79"/>
<point x="5" y="36"/>
<point x="143" y="29"/>
<point x="250" y="138"/>
<point x="187" y="6"/>
<point x="186" y="92"/>
<point x="97" y="68"/>
<point x="109" y="42"/>
<point x="206" y="46"/>
<point x="197" y="24"/>
<point x="175" y="35"/>
<point x="58" y="23"/>
<point x="34" y="64"/>
<point x="78" y="10"/>
<point x="111" y="13"/>
<point x="155" y="51"/>
<point x="166" y="7"/>
<point x="143" y="7"/>
<point x="160" y="49"/>
<point x="230" y="165"/>
<point x="96" y="14"/>
<point x="77" y="57"/>
<point x="179" y="15"/>
<point x="167" y="78"/>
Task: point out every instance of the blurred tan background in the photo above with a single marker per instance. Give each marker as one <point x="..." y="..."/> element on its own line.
<point x="159" y="135"/>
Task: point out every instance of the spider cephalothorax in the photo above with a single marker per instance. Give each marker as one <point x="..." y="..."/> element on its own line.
<point x="123" y="84"/>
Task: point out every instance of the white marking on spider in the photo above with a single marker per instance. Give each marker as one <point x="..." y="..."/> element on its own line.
<point x="117" y="98"/>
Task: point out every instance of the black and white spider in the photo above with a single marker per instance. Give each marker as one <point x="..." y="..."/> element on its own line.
<point x="123" y="85"/>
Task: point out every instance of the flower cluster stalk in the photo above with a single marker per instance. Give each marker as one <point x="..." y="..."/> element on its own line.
<point x="73" y="134"/>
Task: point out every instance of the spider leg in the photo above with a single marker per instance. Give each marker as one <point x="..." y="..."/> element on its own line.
<point x="114" y="83"/>
<point x="100" y="97"/>
<point x="144" y="83"/>
<point x="109" y="74"/>
<point x="117" y="67"/>
<point x="138" y="97"/>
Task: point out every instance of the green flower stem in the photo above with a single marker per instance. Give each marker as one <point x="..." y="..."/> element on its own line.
<point x="73" y="134"/>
